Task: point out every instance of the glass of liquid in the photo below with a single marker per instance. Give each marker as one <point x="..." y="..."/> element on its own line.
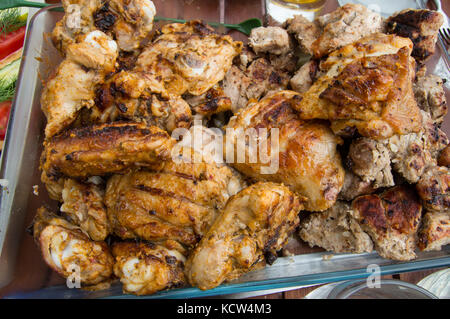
<point x="281" y="10"/>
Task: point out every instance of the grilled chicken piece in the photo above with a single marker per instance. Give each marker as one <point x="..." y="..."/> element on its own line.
<point x="434" y="189"/>
<point x="430" y="97"/>
<point x="178" y="202"/>
<point x="273" y="40"/>
<point x="444" y="157"/>
<point x="303" y="156"/>
<point x="83" y="204"/>
<point x="146" y="268"/>
<point x="434" y="232"/>
<point x="335" y="230"/>
<point x="104" y="149"/>
<point x="139" y="97"/>
<point x="366" y="85"/>
<point x="252" y="227"/>
<point x="189" y="58"/>
<point x="392" y="220"/>
<point x="127" y="21"/>
<point x="212" y="102"/>
<point x="256" y="81"/>
<point x="421" y="26"/>
<point x="70" y="252"/>
<point x="72" y="87"/>
<point x="355" y="186"/>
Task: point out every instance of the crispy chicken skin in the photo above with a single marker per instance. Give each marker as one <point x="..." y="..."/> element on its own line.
<point x="308" y="160"/>
<point x="67" y="250"/>
<point x="127" y="21"/>
<point x="146" y="268"/>
<point x="189" y="58"/>
<point x="392" y="220"/>
<point x="104" y="149"/>
<point x="434" y="189"/>
<point x="253" y="226"/>
<point x="72" y="86"/>
<point x="421" y="26"/>
<point x="179" y="202"/>
<point x="372" y="93"/>
<point x="434" y="232"/>
<point x="83" y="204"/>
<point x="335" y="230"/>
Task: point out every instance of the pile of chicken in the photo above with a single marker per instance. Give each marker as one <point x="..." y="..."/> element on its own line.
<point x="362" y="162"/>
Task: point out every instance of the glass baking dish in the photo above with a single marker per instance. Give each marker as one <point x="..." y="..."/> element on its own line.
<point x="23" y="273"/>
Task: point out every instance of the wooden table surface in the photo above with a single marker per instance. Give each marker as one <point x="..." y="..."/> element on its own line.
<point x="32" y="273"/>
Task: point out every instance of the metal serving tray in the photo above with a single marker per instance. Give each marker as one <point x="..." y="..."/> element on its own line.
<point x="20" y="261"/>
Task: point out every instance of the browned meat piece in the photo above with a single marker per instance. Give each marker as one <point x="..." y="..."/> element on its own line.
<point x="434" y="189"/>
<point x="83" y="204"/>
<point x="104" y="149"/>
<point x="354" y="186"/>
<point x="252" y="227"/>
<point x="343" y="26"/>
<point x="303" y="156"/>
<point x="304" y="31"/>
<point x="370" y="160"/>
<point x="434" y="231"/>
<point x="212" y="102"/>
<point x="392" y="220"/>
<point x="70" y="252"/>
<point x="258" y="80"/>
<point x="178" y="202"/>
<point x="273" y="40"/>
<point x="444" y="157"/>
<point x="304" y="77"/>
<point x="421" y="26"/>
<point x="335" y="230"/>
<point x="430" y="96"/>
<point x="146" y="268"/>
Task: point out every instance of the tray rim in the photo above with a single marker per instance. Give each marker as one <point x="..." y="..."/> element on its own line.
<point x="190" y="292"/>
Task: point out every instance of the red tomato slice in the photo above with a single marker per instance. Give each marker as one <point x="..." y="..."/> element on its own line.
<point x="5" y="108"/>
<point x="11" y="42"/>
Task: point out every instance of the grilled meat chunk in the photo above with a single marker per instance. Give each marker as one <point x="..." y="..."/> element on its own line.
<point x="178" y="202"/>
<point x="355" y="186"/>
<point x="335" y="230"/>
<point x="273" y="40"/>
<point x="434" y="232"/>
<point x="430" y="97"/>
<point x="146" y="268"/>
<point x="83" y="204"/>
<point x="304" y="77"/>
<point x="421" y="26"/>
<point x="104" y="149"/>
<point x="444" y="157"/>
<point x="68" y="250"/>
<point x="434" y="189"/>
<point x="304" y="31"/>
<point x="392" y="220"/>
<point x="252" y="227"/>
<point x="282" y="148"/>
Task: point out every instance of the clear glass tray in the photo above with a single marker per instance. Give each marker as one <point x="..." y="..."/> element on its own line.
<point x="20" y="261"/>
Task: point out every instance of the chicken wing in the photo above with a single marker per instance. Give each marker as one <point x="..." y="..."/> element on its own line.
<point x="252" y="227"/>
<point x="303" y="156"/>
<point x="127" y="21"/>
<point x="421" y="26"/>
<point x="145" y="268"/>
<point x="366" y="85"/>
<point x="392" y="221"/>
<point x="336" y="230"/>
<point x="179" y="201"/>
<point x="189" y="58"/>
<point x="83" y="204"/>
<point x="104" y="149"/>
<point x="73" y="85"/>
<point x="70" y="252"/>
